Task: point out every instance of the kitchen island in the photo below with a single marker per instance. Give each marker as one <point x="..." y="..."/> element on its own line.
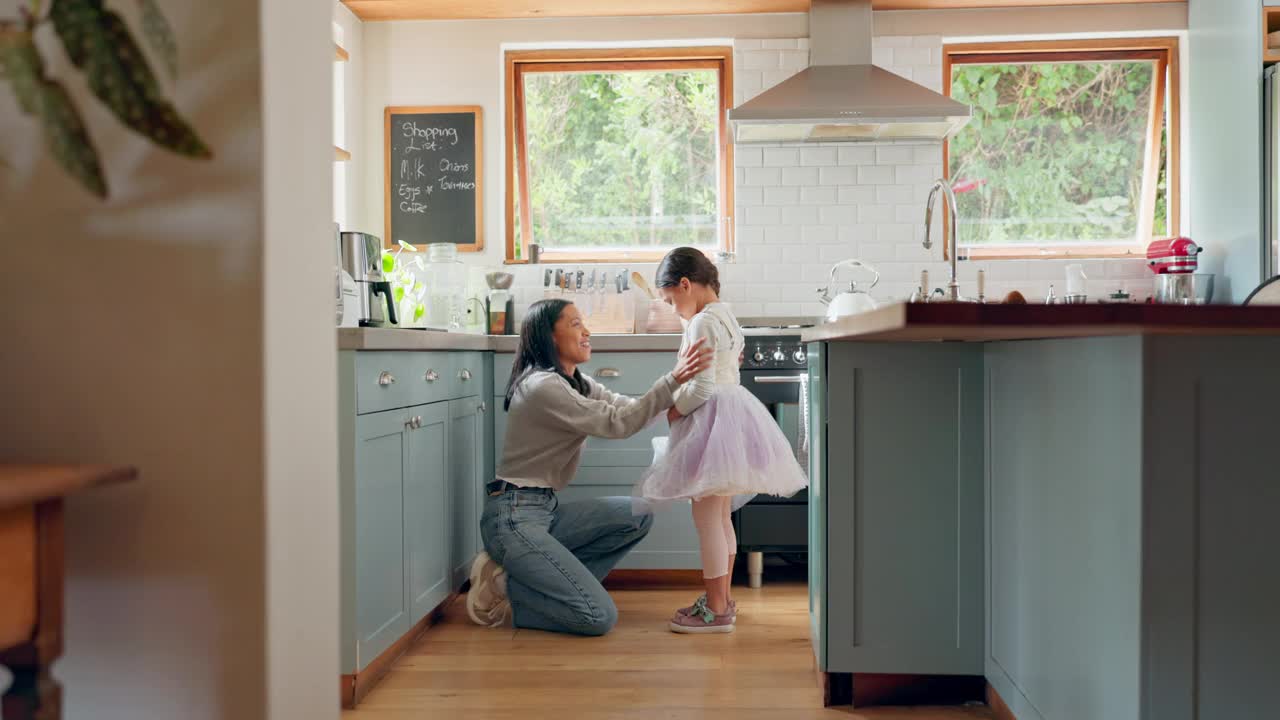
<point x="1073" y="504"/>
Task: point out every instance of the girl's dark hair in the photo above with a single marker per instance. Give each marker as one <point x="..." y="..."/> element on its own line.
<point x="537" y="351"/>
<point x="687" y="262"/>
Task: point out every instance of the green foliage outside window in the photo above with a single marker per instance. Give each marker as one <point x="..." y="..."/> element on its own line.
<point x="623" y="160"/>
<point x="1054" y="153"/>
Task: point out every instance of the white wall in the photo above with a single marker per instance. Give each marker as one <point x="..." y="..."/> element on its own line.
<point x="779" y="264"/>
<point x="1226" y="113"/>
<point x="136" y="333"/>
<point x="354" y="113"/>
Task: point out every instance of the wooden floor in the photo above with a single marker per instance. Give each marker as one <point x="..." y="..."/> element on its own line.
<point x="639" y="671"/>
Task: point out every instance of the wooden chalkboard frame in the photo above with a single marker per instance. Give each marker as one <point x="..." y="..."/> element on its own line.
<point x="475" y="110"/>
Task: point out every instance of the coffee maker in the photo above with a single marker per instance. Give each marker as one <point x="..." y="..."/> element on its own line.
<point x="362" y="259"/>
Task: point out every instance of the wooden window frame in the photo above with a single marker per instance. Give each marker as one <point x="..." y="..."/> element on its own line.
<point x="519" y="62"/>
<point x="1164" y="51"/>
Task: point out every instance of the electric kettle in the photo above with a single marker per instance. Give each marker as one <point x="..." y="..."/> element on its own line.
<point x="851" y="301"/>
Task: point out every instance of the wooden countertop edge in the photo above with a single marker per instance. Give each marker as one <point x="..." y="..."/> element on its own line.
<point x="24" y="484"/>
<point x="982" y="323"/>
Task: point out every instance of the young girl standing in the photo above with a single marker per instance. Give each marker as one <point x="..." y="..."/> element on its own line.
<point x="723" y="442"/>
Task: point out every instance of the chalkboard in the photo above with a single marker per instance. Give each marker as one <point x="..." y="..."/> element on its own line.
<point x="434" y="188"/>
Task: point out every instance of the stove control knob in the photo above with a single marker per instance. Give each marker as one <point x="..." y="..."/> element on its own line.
<point x="758" y="357"/>
<point x="799" y="356"/>
<point x="779" y="356"/>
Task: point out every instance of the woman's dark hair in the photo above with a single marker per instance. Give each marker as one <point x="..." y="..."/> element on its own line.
<point x="687" y="262"/>
<point x="537" y="351"/>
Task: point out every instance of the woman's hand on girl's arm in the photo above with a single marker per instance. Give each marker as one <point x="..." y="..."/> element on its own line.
<point x="695" y="358"/>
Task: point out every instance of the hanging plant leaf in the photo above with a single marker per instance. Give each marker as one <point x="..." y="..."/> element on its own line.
<point x="159" y="35"/>
<point x="99" y="43"/>
<point x="64" y="131"/>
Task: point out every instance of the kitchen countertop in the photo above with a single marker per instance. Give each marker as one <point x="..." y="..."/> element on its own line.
<point x="401" y="339"/>
<point x="970" y="322"/>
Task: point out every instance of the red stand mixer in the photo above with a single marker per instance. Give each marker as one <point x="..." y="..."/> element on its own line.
<point x="1174" y="261"/>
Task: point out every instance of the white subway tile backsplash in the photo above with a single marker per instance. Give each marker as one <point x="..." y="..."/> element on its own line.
<point x="760" y="60"/>
<point x="882" y="56"/>
<point x="927" y="155"/>
<point x="818" y="156"/>
<point x="793" y="59"/>
<point x="876" y="175"/>
<point x="746" y="85"/>
<point x="909" y="174"/>
<point x="857" y="156"/>
<point x="781" y="157"/>
<point x="818" y="234"/>
<point x="745" y="157"/>
<point x="914" y="56"/>
<point x="857" y="195"/>
<point x="894" y="194"/>
<point x="773" y="77"/>
<point x="875" y="214"/>
<point x="928" y="41"/>
<point x="839" y="215"/>
<point x="746" y="44"/>
<point x="748" y="235"/>
<point x="821" y="195"/>
<point x="759" y="253"/>
<point x="800" y="215"/>
<point x="781" y="195"/>
<point x="894" y="233"/>
<point x="876" y="253"/>
<point x="763" y="215"/>
<point x="800" y="176"/>
<point x="894" y="41"/>
<point x="836" y="253"/>
<point x="749" y="195"/>
<point x="763" y="176"/>
<point x="838" y="175"/>
<point x="781" y="234"/>
<point x="781" y="44"/>
<point x="856" y="234"/>
<point x="895" y="155"/>
<point x="908" y="213"/>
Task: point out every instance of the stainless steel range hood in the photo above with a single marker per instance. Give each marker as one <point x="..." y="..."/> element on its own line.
<point x="841" y="96"/>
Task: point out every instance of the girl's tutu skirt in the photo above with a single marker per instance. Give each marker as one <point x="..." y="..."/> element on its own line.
<point x="729" y="446"/>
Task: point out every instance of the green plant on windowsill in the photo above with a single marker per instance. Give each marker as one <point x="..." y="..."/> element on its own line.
<point x="99" y="44"/>
<point x="404" y="284"/>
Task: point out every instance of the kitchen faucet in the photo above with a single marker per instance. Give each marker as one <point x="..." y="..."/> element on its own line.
<point x="953" y="286"/>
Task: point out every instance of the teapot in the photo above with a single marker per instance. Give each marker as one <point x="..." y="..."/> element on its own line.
<point x="851" y="301"/>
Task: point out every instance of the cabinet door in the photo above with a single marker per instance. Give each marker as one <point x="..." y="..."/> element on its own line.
<point x="381" y="612"/>
<point x="426" y="516"/>
<point x="466" y="448"/>
<point x="903" y="495"/>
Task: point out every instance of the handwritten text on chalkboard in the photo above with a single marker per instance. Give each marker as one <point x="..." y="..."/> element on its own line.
<point x="434" y="178"/>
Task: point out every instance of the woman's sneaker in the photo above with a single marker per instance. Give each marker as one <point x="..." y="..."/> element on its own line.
<point x="701" y="619"/>
<point x="487" y="602"/>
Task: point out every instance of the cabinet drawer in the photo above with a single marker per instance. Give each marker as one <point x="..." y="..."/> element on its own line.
<point x="432" y="377"/>
<point x="384" y="380"/>
<point x="469" y="370"/>
<point x="625" y="373"/>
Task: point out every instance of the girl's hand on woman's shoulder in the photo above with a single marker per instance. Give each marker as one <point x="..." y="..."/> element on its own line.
<point x="695" y="358"/>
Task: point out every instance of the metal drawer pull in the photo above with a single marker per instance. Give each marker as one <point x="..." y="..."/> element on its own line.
<point x="779" y="379"/>
<point x="465" y="375"/>
<point x="608" y="373"/>
<point x="414" y="422"/>
<point x="431" y="376"/>
<point x="484" y="407"/>
<point x="385" y="378"/>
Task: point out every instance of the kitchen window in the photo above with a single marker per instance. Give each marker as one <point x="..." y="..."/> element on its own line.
<point x="618" y="155"/>
<point x="1072" y="150"/>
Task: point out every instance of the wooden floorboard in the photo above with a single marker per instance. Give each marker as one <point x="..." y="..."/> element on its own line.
<point x="639" y="671"/>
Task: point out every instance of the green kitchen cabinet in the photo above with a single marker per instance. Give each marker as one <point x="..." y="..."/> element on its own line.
<point x="381" y="607"/>
<point x="467" y="453"/>
<point x="898" y="535"/>
<point x="427" y="516"/>
<point x="415" y="448"/>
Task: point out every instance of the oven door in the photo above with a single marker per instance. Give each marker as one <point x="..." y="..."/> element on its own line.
<point x="767" y="523"/>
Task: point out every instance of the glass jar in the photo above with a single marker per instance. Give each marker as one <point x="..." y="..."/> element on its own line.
<point x="446" y="279"/>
